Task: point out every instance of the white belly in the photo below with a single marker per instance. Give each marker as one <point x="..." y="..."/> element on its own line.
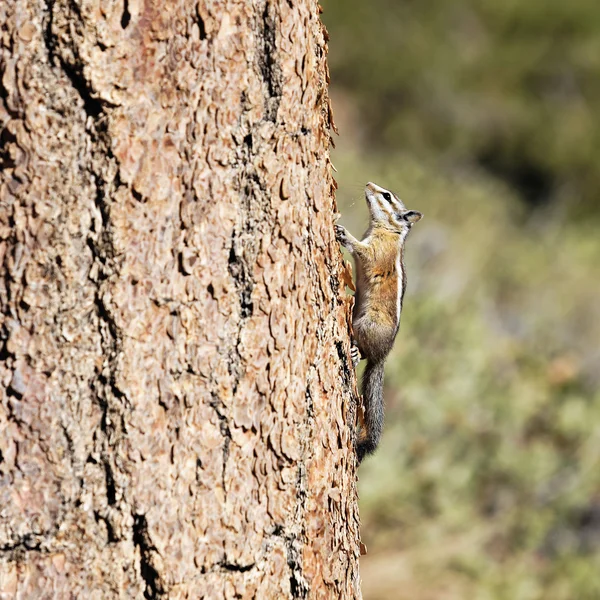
<point x="400" y="275"/>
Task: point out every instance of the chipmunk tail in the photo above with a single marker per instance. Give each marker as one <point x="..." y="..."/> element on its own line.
<point x="372" y="391"/>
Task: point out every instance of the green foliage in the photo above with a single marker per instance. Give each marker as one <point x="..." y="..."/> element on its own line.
<point x="512" y="87"/>
<point x="487" y="483"/>
<point x="489" y="462"/>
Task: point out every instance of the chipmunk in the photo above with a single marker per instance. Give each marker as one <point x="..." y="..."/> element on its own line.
<point x="380" y="286"/>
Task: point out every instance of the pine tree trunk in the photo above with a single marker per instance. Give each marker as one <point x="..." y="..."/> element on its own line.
<point x="177" y="411"/>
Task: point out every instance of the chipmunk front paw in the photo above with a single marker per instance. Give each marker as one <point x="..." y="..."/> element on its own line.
<point x="341" y="235"/>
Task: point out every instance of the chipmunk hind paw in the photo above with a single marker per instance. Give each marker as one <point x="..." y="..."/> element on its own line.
<point x="355" y="354"/>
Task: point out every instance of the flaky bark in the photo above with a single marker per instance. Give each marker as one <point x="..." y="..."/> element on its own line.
<point x="177" y="411"/>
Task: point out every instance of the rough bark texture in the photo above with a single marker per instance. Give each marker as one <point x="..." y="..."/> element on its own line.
<point x="177" y="411"/>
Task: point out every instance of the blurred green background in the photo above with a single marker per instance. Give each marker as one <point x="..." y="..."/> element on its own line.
<point x="485" y="116"/>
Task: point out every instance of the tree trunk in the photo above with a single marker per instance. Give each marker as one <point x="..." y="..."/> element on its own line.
<point x="177" y="413"/>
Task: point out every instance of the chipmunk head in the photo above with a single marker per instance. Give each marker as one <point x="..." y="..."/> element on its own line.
<point x="388" y="210"/>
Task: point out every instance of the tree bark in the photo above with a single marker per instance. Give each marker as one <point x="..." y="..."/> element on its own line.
<point x="178" y="406"/>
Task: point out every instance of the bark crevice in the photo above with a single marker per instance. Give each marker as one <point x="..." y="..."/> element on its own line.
<point x="126" y="15"/>
<point x="153" y="583"/>
<point x="102" y="169"/>
<point x="216" y="404"/>
<point x="298" y="585"/>
<point x="93" y="106"/>
<point x="267" y="62"/>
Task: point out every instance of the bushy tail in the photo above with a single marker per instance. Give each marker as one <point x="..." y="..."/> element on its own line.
<point x="372" y="391"/>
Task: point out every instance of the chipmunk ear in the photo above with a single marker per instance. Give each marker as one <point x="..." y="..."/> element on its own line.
<point x="412" y="216"/>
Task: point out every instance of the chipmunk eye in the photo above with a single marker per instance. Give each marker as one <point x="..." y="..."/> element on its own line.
<point x="387" y="196"/>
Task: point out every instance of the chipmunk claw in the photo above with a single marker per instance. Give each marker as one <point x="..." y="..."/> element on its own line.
<point x="341" y="235"/>
<point x="355" y="354"/>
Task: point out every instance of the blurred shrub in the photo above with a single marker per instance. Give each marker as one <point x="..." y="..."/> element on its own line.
<point x="487" y="480"/>
<point x="513" y="87"/>
<point x="487" y="483"/>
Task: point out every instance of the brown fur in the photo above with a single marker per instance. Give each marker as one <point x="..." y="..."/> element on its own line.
<point x="379" y="264"/>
